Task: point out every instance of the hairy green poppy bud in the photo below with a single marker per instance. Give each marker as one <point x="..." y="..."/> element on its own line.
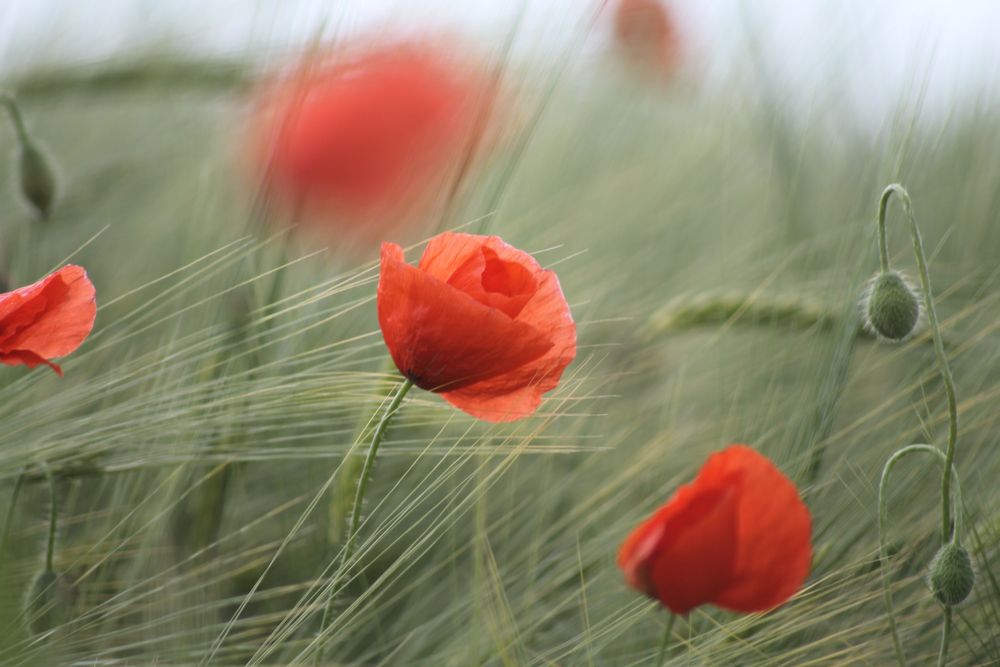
<point x="951" y="575"/>
<point x="48" y="602"/>
<point x="38" y="179"/>
<point x="890" y="307"/>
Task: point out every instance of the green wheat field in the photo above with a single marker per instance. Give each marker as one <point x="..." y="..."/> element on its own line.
<point x="712" y="246"/>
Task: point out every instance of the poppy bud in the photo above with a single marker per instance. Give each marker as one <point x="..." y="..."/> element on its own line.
<point x="48" y="602"/>
<point x="951" y="575"/>
<point x="38" y="179"/>
<point x="891" y="307"/>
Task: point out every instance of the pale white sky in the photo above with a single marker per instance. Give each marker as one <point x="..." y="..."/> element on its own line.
<point x="878" y="52"/>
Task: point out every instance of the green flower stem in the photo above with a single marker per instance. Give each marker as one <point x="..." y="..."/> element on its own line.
<point x="346" y="486"/>
<point x="53" y="518"/>
<point x="359" y="500"/>
<point x="369" y="465"/>
<point x="883" y="519"/>
<point x="942" y="360"/>
<point x="945" y="636"/>
<point x="661" y="656"/>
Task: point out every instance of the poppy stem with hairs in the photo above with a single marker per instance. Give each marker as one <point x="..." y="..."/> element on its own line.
<point x="342" y="498"/>
<point x="945" y="636"/>
<point x="942" y="360"/>
<point x="366" y="470"/>
<point x="359" y="498"/>
<point x="883" y="520"/>
<point x="949" y="534"/>
<point x="53" y="518"/>
<point x="661" y="656"/>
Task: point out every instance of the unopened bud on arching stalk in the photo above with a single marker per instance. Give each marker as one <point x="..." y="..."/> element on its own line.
<point x="951" y="575"/>
<point x="890" y="307"/>
<point x="37" y="177"/>
<point x="38" y="180"/>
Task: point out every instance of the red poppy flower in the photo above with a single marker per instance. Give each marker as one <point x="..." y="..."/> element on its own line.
<point x="477" y="321"/>
<point x="369" y="134"/>
<point x="647" y="34"/>
<point x="48" y="319"/>
<point x="737" y="537"/>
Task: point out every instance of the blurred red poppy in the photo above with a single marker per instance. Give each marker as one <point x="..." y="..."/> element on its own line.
<point x="48" y="319"/>
<point x="371" y="134"/>
<point x="477" y="321"/>
<point x="738" y="537"/>
<point x="646" y="32"/>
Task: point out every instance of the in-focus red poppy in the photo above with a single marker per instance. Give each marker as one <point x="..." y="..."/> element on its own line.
<point x="647" y="34"/>
<point x="738" y="537"/>
<point x="364" y="137"/>
<point x="48" y="319"/>
<point x="477" y="321"/>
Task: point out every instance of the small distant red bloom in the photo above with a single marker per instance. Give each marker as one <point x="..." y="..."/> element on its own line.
<point x="647" y="34"/>
<point x="738" y="537"/>
<point x="363" y="134"/>
<point x="477" y="321"/>
<point x="48" y="319"/>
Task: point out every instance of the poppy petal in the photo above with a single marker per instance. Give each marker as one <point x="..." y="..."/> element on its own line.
<point x="48" y="319"/>
<point x="446" y="253"/>
<point x="683" y="555"/>
<point x="29" y="359"/>
<point x="774" y="529"/>
<point x="495" y="282"/>
<point x="737" y="537"/>
<point x="440" y="337"/>
<point x="366" y="137"/>
<point x="647" y="34"/>
<point x="519" y="393"/>
<point x="694" y="557"/>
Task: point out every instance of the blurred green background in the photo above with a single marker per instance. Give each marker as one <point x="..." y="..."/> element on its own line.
<point x="712" y="244"/>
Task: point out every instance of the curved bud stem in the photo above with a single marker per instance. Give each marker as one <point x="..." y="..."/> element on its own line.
<point x="8" y="101"/>
<point x="883" y="519"/>
<point x="942" y="360"/>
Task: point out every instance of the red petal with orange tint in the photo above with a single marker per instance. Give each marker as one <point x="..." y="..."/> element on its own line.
<point x="48" y="319"/>
<point x="519" y="393"/>
<point x="29" y="359"/>
<point x="516" y="298"/>
<point x="773" y="532"/>
<point x="737" y="537"/>
<point x="365" y="136"/>
<point x="499" y="275"/>
<point x="494" y="282"/>
<point x="683" y="555"/>
<point x="440" y="337"/>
